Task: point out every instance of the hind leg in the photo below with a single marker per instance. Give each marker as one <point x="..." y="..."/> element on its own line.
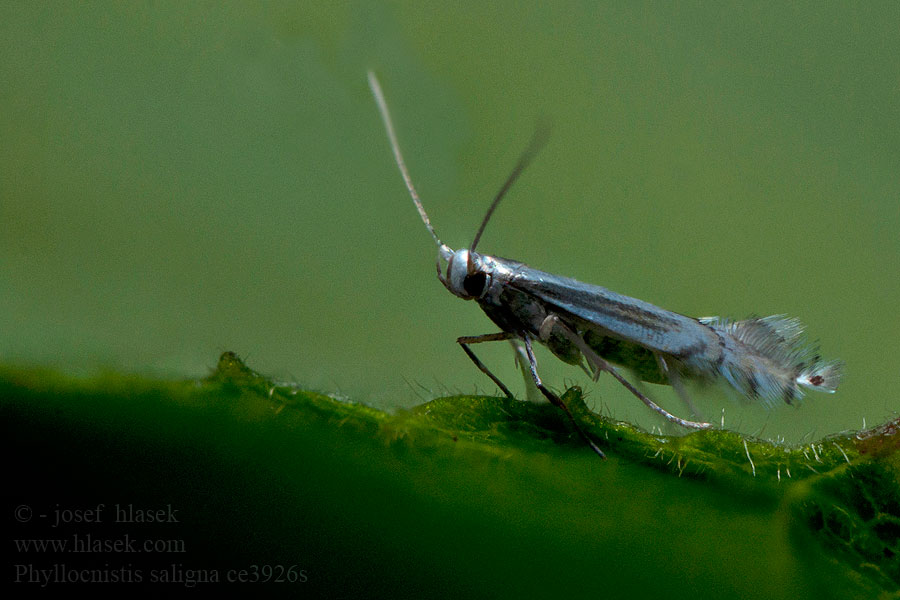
<point x="600" y="364"/>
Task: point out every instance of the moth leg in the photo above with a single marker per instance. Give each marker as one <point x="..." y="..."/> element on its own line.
<point x="544" y="332"/>
<point x="554" y="399"/>
<point x="675" y="379"/>
<point x="601" y="364"/>
<point x="532" y="394"/>
<point x="477" y="339"/>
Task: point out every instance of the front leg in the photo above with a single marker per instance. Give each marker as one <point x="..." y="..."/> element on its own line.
<point x="488" y="337"/>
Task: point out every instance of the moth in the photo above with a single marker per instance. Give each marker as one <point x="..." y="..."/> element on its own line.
<point x="763" y="358"/>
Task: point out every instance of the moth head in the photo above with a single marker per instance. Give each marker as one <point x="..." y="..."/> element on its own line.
<point x="466" y="276"/>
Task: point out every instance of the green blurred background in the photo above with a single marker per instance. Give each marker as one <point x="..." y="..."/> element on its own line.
<point x="178" y="179"/>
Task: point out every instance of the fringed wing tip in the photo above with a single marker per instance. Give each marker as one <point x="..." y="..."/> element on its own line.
<point x="822" y="376"/>
<point x="768" y="358"/>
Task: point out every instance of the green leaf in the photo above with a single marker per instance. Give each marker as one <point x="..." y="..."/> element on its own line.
<point x="464" y="495"/>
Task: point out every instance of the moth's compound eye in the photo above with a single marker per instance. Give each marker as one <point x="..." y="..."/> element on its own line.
<point x="475" y="283"/>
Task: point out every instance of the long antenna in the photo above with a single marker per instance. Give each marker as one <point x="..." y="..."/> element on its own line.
<point x="389" y="126"/>
<point x="541" y="134"/>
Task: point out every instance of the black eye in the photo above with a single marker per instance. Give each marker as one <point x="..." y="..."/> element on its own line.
<point x="474" y="284"/>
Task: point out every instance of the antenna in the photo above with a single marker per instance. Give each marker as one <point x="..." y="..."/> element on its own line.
<point x="538" y="140"/>
<point x="398" y="157"/>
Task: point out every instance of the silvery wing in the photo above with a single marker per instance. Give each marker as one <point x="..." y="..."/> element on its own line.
<point x="629" y="319"/>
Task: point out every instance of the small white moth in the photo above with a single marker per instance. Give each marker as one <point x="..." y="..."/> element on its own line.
<point x="762" y="358"/>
